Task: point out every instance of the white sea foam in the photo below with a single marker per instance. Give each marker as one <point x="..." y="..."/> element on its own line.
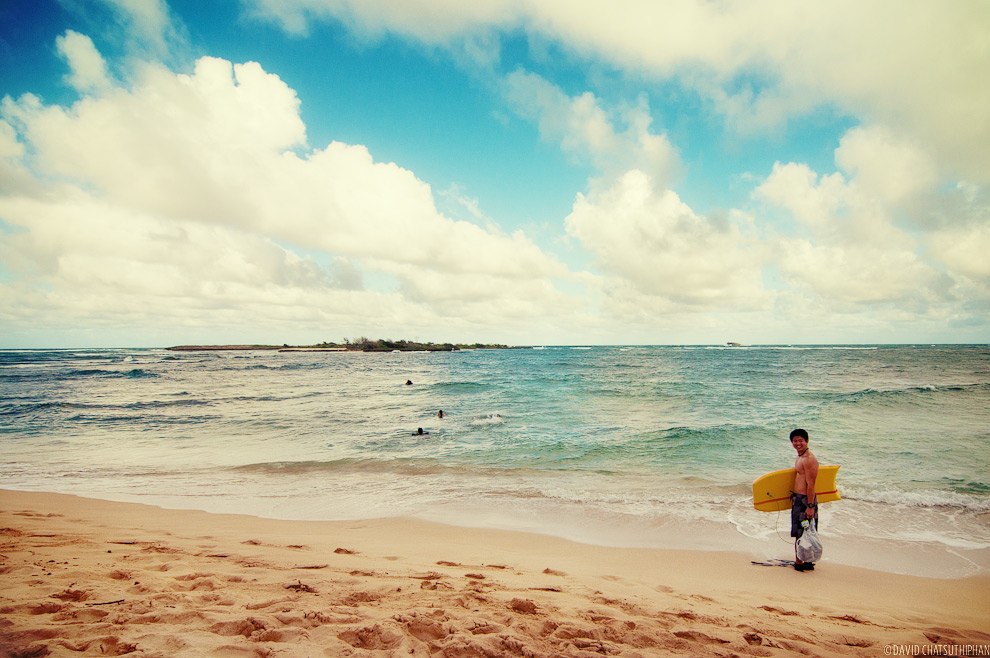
<point x="489" y="419"/>
<point x="921" y="498"/>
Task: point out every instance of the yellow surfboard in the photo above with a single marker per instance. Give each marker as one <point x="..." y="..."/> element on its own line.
<point x="772" y="492"/>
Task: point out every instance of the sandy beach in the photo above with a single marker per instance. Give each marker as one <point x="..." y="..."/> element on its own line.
<point x="89" y="577"/>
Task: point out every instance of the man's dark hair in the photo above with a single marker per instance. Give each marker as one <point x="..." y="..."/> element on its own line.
<point x="801" y="433"/>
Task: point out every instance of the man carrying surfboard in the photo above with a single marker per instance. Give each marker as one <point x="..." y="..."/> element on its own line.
<point x="804" y="502"/>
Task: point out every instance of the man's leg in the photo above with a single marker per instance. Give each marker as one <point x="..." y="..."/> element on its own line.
<point x="798" y="509"/>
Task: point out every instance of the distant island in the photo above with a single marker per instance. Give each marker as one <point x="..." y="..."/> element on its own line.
<point x="357" y="345"/>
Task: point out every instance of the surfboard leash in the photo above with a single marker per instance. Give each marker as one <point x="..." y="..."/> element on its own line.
<point x="776" y="528"/>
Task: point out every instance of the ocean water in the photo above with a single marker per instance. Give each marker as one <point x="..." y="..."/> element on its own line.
<point x="619" y="446"/>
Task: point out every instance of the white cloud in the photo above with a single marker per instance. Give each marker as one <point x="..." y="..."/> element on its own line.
<point x="960" y="238"/>
<point x="79" y="260"/>
<point x="186" y="196"/>
<point x="644" y="239"/>
<point x="968" y="250"/>
<point x="167" y="144"/>
<point x="150" y="28"/>
<point x="10" y="148"/>
<point x="662" y="248"/>
<point x="796" y="188"/>
<point x="461" y="203"/>
<point x="432" y="20"/>
<point x="891" y="169"/>
<point x="916" y="66"/>
<point x="584" y="129"/>
<point x="88" y="68"/>
<point x="865" y="274"/>
<point x="215" y="147"/>
<point x="83" y="248"/>
<point x="887" y="181"/>
<point x="862" y="240"/>
<point x="14" y="176"/>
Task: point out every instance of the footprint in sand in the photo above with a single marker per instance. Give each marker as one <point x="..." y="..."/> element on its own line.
<point x="524" y="606"/>
<point x="375" y="637"/>
<point x="778" y="611"/>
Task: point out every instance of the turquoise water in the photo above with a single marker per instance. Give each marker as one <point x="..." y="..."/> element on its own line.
<point x="633" y="446"/>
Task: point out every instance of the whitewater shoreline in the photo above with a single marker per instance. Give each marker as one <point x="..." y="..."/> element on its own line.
<point x="82" y="576"/>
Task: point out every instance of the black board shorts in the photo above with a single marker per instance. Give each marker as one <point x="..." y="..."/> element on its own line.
<point x="799" y="504"/>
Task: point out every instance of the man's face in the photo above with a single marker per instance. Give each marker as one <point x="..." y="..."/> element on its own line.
<point x="799" y="443"/>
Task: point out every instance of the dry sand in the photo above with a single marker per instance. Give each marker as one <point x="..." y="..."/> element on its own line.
<point x="82" y="577"/>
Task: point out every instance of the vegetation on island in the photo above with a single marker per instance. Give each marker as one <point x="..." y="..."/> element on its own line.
<point x="351" y="345"/>
<point x="382" y="345"/>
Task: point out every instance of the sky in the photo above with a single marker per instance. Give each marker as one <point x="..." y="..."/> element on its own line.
<point x="527" y="172"/>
